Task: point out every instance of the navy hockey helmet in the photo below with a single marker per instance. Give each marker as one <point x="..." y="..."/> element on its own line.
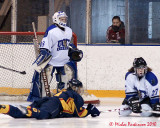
<point x="75" y="85"/>
<point x="75" y="82"/>
<point x="140" y="63"/>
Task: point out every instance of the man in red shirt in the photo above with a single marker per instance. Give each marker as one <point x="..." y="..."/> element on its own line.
<point x="116" y="32"/>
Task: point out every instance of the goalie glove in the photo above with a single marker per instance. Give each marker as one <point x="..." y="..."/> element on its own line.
<point x="135" y="105"/>
<point x="75" y="54"/>
<point x="93" y="110"/>
<point x="156" y="107"/>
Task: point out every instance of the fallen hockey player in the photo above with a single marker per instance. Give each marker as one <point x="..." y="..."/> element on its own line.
<point x="67" y="103"/>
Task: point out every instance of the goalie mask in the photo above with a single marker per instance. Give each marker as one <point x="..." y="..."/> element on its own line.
<point x="75" y="54"/>
<point x="140" y="66"/>
<point x="75" y="85"/>
<point x="57" y="18"/>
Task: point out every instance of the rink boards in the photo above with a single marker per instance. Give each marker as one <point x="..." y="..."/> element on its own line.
<point x="102" y="69"/>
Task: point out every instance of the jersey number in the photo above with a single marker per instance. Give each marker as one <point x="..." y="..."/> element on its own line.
<point x="42" y="43"/>
<point x="154" y="92"/>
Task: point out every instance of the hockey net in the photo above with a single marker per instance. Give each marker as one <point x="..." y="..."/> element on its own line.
<point x="17" y="52"/>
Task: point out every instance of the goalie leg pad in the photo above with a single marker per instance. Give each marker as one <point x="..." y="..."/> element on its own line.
<point x="146" y="107"/>
<point x="125" y="110"/>
<point x="49" y="72"/>
<point x="36" y="88"/>
<point x="73" y="67"/>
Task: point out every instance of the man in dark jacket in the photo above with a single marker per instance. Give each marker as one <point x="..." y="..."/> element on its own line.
<point x="116" y="32"/>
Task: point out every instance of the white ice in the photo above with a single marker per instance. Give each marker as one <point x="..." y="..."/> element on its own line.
<point x="105" y="120"/>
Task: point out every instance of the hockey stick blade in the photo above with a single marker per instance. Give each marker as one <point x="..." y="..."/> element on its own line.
<point x="23" y="72"/>
<point x="9" y="69"/>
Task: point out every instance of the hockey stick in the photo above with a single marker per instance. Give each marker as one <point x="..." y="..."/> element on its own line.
<point x="43" y="73"/>
<point x="117" y="110"/>
<point x="157" y="112"/>
<point x="9" y="69"/>
<point x="114" y="110"/>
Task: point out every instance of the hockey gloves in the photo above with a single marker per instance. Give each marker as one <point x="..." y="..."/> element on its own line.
<point x="93" y="110"/>
<point x="156" y="107"/>
<point x="135" y="105"/>
<point x="75" y="54"/>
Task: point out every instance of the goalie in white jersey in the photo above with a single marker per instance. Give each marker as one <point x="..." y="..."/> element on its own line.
<point x="55" y="51"/>
<point x="141" y="89"/>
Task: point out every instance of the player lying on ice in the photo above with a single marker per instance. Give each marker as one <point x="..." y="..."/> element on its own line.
<point x="56" y="50"/>
<point x="141" y="89"/>
<point x="67" y="103"/>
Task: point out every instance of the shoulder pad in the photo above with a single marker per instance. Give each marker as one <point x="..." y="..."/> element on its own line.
<point x="127" y="75"/>
<point x="49" y="28"/>
<point x="151" y="78"/>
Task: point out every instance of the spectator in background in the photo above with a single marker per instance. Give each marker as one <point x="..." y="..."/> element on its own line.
<point x="116" y="32"/>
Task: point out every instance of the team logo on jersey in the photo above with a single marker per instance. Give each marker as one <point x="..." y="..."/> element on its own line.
<point x="142" y="94"/>
<point x="63" y="44"/>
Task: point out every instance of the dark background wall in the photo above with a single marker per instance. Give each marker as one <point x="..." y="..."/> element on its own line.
<point x="138" y="20"/>
<point x="28" y="12"/>
<point x="140" y="17"/>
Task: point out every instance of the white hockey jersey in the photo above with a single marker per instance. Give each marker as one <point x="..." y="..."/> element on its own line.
<point x="147" y="86"/>
<point x="57" y="42"/>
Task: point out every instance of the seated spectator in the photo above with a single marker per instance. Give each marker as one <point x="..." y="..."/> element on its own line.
<point x="116" y="32"/>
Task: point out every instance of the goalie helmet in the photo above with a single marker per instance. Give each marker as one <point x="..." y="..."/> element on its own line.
<point x="56" y="18"/>
<point x="140" y="63"/>
<point x="75" y="85"/>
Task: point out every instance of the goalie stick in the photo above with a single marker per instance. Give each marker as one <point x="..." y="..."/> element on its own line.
<point x="43" y="73"/>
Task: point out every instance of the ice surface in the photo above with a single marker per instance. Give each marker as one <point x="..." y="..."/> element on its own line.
<point x="105" y="120"/>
